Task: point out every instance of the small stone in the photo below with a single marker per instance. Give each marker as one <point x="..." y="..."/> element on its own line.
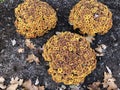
<point x="116" y="44"/>
<point x="46" y="84"/>
<point x="1" y="65"/>
<point x="119" y="64"/>
<point x="37" y="82"/>
<point x="63" y="86"/>
<point x="3" y="29"/>
<point x="108" y="69"/>
<point x="13" y="42"/>
<point x="60" y="89"/>
<point x="8" y="24"/>
<point x="113" y="37"/>
<point x="9" y="18"/>
<point x="57" y="33"/>
<point x="96" y="15"/>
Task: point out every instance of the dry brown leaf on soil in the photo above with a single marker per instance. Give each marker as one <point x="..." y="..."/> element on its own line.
<point x="14" y="83"/>
<point x="41" y="88"/>
<point x="109" y="82"/>
<point x="12" y="87"/>
<point x="29" y="44"/>
<point x="21" y="50"/>
<point x="100" y="50"/>
<point x="32" y="58"/>
<point x="29" y="86"/>
<point x="90" y="38"/>
<point x="94" y="86"/>
<point x="2" y="86"/>
<point x="16" y="80"/>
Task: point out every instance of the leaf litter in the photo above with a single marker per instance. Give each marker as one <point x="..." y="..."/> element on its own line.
<point x="31" y="58"/>
<point x="29" y="86"/>
<point x="108" y="82"/>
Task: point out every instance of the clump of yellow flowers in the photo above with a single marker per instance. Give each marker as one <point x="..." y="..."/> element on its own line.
<point x="91" y="17"/>
<point x="70" y="58"/>
<point x="34" y="18"/>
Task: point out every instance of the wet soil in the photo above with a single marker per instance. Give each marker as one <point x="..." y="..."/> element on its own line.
<point x="13" y="64"/>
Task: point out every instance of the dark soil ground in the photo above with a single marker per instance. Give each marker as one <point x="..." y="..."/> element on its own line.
<point x="13" y="64"/>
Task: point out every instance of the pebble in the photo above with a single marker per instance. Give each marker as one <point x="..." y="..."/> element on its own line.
<point x="3" y="29"/>
<point x="74" y="87"/>
<point x="57" y="33"/>
<point x="37" y="82"/>
<point x="96" y="16"/>
<point x="113" y="37"/>
<point x="13" y="42"/>
<point x="63" y="86"/>
<point x="8" y="24"/>
<point x="1" y="65"/>
<point x="9" y="18"/>
<point x="116" y="44"/>
<point x="108" y="69"/>
<point x="103" y="46"/>
<point x="119" y="64"/>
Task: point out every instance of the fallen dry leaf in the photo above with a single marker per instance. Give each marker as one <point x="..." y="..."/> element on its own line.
<point x="20" y="50"/>
<point x="90" y="39"/>
<point x="100" y="54"/>
<point x="112" y="85"/>
<point x="29" y="86"/>
<point x="2" y="79"/>
<point x="12" y="87"/>
<point x="109" y="82"/>
<point x="16" y="80"/>
<point x="94" y="86"/>
<point x="14" y="83"/>
<point x="103" y="46"/>
<point x="29" y="44"/>
<point x="2" y="86"/>
<point x="100" y="50"/>
<point x="32" y="58"/>
<point x="41" y="88"/>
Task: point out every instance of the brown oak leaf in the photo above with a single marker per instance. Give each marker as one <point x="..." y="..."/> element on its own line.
<point x="29" y="44"/>
<point x="109" y="82"/>
<point x="29" y="86"/>
<point x="32" y="58"/>
<point x="14" y="83"/>
<point x="94" y="86"/>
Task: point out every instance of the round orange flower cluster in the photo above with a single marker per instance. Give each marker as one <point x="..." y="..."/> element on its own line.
<point x="70" y="58"/>
<point x="91" y="17"/>
<point x="34" y="18"/>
